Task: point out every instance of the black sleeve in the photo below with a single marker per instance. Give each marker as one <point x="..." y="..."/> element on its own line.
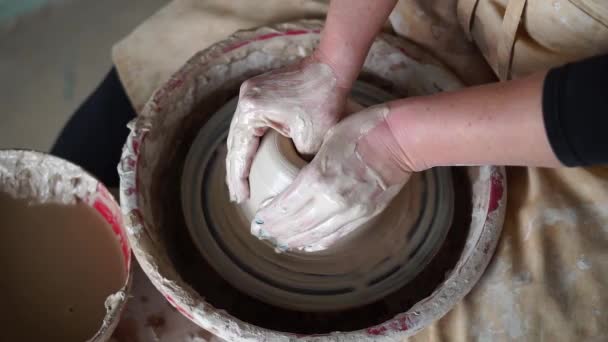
<point x="94" y="135"/>
<point x="575" y="110"/>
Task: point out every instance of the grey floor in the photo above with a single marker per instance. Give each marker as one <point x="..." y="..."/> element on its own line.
<point x="52" y="58"/>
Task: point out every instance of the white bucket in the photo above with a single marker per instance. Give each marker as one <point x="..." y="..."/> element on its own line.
<point x="64" y="254"/>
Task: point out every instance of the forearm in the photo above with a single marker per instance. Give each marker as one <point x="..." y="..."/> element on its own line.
<point x="350" y="29"/>
<point x="500" y="123"/>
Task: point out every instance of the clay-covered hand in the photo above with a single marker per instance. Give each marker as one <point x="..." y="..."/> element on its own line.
<point x="301" y="101"/>
<point x="357" y="171"/>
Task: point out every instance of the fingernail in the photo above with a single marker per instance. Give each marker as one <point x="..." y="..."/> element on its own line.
<point x="260" y="233"/>
<point x="280" y="249"/>
<point x="257" y="231"/>
<point x="238" y="198"/>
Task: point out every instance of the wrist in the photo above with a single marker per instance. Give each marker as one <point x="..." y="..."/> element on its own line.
<point x="379" y="150"/>
<point x="338" y="95"/>
<point x="345" y="71"/>
<point x="411" y="133"/>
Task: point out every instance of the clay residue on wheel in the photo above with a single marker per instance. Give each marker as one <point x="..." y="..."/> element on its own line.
<point x="197" y="272"/>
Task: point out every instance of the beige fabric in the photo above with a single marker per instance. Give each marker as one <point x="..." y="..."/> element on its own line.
<point x="594" y="8"/>
<point x="467" y="8"/>
<point x="510" y="25"/>
<point x="433" y="25"/>
<point x="164" y="42"/>
<point x="548" y="279"/>
<point x="551" y="33"/>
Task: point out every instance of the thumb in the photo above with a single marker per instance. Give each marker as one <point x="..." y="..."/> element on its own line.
<point x="308" y="136"/>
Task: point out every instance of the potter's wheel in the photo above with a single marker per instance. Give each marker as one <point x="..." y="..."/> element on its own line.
<point x="371" y="263"/>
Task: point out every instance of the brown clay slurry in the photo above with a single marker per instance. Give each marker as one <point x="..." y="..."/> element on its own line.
<point x="59" y="264"/>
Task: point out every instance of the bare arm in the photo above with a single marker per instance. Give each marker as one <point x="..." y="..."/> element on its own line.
<point x="493" y="124"/>
<point x="350" y="29"/>
<point x="500" y="124"/>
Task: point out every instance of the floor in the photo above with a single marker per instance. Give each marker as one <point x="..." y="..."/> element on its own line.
<point x="52" y="58"/>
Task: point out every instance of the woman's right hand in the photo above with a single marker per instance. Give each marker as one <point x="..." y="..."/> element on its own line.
<point x="301" y="101"/>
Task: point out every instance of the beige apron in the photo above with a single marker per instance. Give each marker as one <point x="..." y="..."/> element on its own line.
<point x="518" y="37"/>
<point x="433" y="25"/>
<point x="548" y="280"/>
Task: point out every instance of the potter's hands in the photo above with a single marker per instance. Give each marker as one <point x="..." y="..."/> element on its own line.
<point x="357" y="171"/>
<point x="301" y="101"/>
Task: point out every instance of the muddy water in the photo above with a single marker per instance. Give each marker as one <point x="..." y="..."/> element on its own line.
<point x="58" y="264"/>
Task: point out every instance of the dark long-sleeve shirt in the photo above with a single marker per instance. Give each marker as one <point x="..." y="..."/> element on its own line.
<point x="575" y="109"/>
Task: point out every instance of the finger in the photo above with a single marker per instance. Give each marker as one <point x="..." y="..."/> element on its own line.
<point x="339" y="234"/>
<point x="242" y="146"/>
<point x="309" y="225"/>
<point x="332" y="230"/>
<point x="307" y="133"/>
<point x="298" y="226"/>
<point x="307" y="136"/>
<point x="280" y="215"/>
<point x="352" y="107"/>
<point x="273" y="226"/>
<point x="292" y="197"/>
<point x="302" y="223"/>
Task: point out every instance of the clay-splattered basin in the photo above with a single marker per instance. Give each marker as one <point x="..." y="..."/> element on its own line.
<point x="65" y="256"/>
<point x="151" y="168"/>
